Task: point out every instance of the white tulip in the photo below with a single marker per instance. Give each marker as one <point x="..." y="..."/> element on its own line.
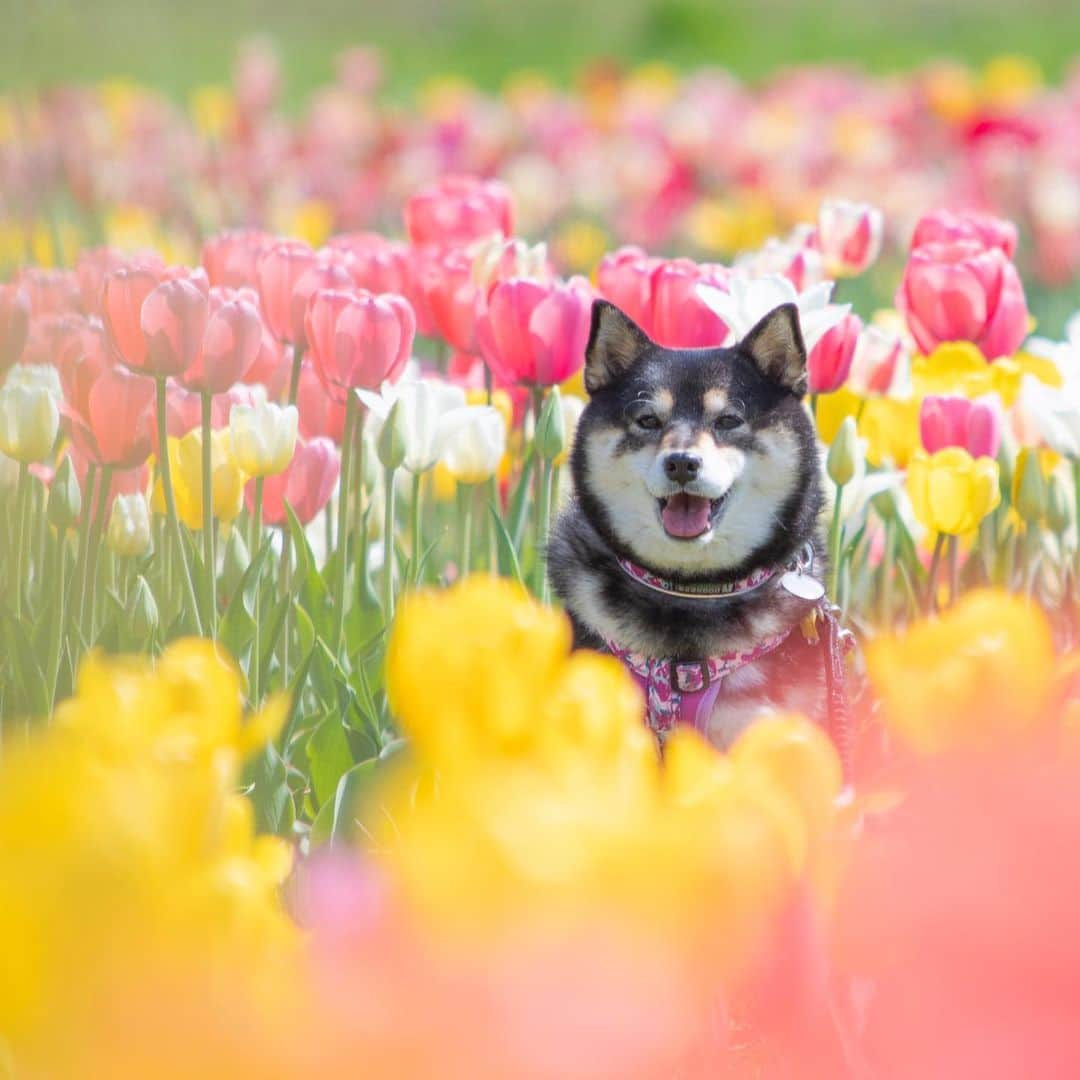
<point x="29" y="418"/>
<point x="474" y="450"/>
<point x="128" y="533"/>
<point x="263" y="437"/>
<point x="430" y="411"/>
<point x="749" y="299"/>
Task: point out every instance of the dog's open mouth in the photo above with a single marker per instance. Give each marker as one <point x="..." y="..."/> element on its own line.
<point x="686" y="517"/>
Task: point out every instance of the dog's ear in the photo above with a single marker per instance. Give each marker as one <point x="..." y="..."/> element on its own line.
<point x="775" y="344"/>
<point x="615" y="342"/>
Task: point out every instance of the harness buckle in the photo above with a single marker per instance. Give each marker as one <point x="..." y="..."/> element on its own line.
<point x="689" y="676"/>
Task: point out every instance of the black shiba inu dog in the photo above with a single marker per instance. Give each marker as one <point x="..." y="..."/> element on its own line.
<point x="690" y="547"/>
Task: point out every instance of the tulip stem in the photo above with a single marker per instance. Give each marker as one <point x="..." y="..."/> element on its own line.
<point x="97" y="527"/>
<point x="75" y="603"/>
<point x="492" y="529"/>
<point x="538" y="490"/>
<point x="544" y="522"/>
<point x="414" y="530"/>
<point x="343" y="518"/>
<point x="836" y="532"/>
<point x="255" y="525"/>
<point x="22" y="514"/>
<point x="294" y="378"/>
<point x="170" y="503"/>
<point x="57" y="635"/>
<point x="465" y="501"/>
<point x="954" y="569"/>
<point x="931" y="582"/>
<point x="359" y="510"/>
<point x="209" y="557"/>
<point x="388" y="550"/>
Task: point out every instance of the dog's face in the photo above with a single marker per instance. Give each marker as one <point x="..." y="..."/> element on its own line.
<point x="693" y="461"/>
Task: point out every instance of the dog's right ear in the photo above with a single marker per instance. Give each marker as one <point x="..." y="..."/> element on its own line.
<point x="615" y="342"/>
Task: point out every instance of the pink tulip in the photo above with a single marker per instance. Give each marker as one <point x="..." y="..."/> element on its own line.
<point x="320" y="414"/>
<point x="90" y="269"/>
<point x="456" y="210"/>
<point x="680" y="318"/>
<point x="306" y="484"/>
<point x="879" y="363"/>
<point x="271" y="365"/>
<point x="14" y="324"/>
<point x="625" y="278"/>
<point x="230" y="344"/>
<point x="452" y="296"/>
<point x="948" y="226"/>
<point x="183" y="410"/>
<point x="173" y="321"/>
<point x="122" y="294"/>
<point x="51" y="292"/>
<point x="535" y="332"/>
<point x="963" y="292"/>
<point x="231" y="257"/>
<point x="277" y="271"/>
<point x="849" y="235"/>
<point x="358" y="340"/>
<point x="829" y="361"/>
<point x="324" y="273"/>
<point x="375" y="263"/>
<point x="951" y="420"/>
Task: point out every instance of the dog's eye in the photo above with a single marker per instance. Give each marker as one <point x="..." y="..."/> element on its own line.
<point x="648" y="421"/>
<point x="729" y="421"/>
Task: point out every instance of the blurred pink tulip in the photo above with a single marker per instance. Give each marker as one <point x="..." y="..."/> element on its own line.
<point x="625" y="278"/>
<point x="271" y="365"/>
<point x="680" y="319"/>
<point x="951" y="420"/>
<point x="879" y="363"/>
<point x="122" y="294"/>
<point x="90" y="269"/>
<point x="230" y="257"/>
<point x="946" y="226"/>
<point x="230" y="344"/>
<point x="962" y="291"/>
<point x="306" y="484"/>
<point x="457" y="210"/>
<point x="358" y="340"/>
<point x="183" y="412"/>
<point x="849" y="235"/>
<point x="324" y="273"/>
<point x="375" y="263"/>
<point x="51" y="292"/>
<point x="277" y="271"/>
<point x="535" y="332"/>
<point x="829" y="362"/>
<point x="451" y="296"/>
<point x="14" y="324"/>
<point x="173" y="321"/>
<point x="320" y="414"/>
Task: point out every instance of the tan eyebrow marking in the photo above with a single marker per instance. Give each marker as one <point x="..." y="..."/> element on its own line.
<point x="715" y="402"/>
<point x="663" y="401"/>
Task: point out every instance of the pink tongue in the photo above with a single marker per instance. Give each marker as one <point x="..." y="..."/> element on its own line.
<point x="686" y="515"/>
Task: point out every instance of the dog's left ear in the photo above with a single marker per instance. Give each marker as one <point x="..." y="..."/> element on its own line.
<point x="775" y="344"/>
<point x="615" y="342"/>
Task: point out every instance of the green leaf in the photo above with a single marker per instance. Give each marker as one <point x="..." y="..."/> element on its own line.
<point x="336" y="821"/>
<point x="275" y="811"/>
<point x="508" y="559"/>
<point x="330" y="756"/>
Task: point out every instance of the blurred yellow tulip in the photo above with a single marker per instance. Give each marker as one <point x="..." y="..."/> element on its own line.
<point x="951" y="492"/>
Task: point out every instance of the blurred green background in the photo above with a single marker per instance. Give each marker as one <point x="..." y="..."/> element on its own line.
<point x="176" y="45"/>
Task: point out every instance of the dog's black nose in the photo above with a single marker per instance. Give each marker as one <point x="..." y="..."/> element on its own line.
<point x="682" y="467"/>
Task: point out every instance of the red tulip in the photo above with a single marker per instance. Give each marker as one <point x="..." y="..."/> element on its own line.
<point x="277" y="271"/>
<point x="625" y="278"/>
<point x="173" y="321"/>
<point x="829" y="362"/>
<point x="306" y="484"/>
<point x="358" y="340"/>
<point x="122" y="294"/>
<point x="14" y="324"/>
<point x="951" y="420"/>
<point x="457" y="210"/>
<point x="948" y="226"/>
<point x="112" y="418"/>
<point x="536" y="332"/>
<point x="452" y="296"/>
<point x="322" y="274"/>
<point x="963" y="292"/>
<point x="230" y="345"/>
<point x="320" y="414"/>
<point x="680" y="318"/>
<point x="230" y="257"/>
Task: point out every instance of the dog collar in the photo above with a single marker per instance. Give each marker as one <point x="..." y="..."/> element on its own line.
<point x="796" y="580"/>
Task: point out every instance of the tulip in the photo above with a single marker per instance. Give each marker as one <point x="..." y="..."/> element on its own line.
<point x="51" y="292"/>
<point x="842" y="460"/>
<point x="625" y="278"/>
<point x="227" y="480"/>
<point x="880" y="365"/>
<point x="65" y="499"/>
<point x="951" y="492"/>
<point x="1049" y="415"/>
<point x="142" y="611"/>
<point x="128" y="532"/>
<point x="230" y="344"/>
<point x="550" y="437"/>
<point x="320" y="414"/>
<point x="456" y="210"/>
<point x="496" y="259"/>
<point x="849" y="235"/>
<point x="535" y="333"/>
<point x="231" y="257"/>
<point x="947" y="226"/>
<point x="375" y="264"/>
<point x="277" y="272"/>
<point x="306" y="484"/>
<point x="679" y="317"/>
<point x="123" y="292"/>
<point x="963" y="292"/>
<point x="111" y="420"/>
<point x="173" y="320"/>
<point x="29" y="420"/>
<point x="14" y="324"/>
<point x="263" y="437"/>
<point x="90" y="269"/>
<point x="803" y="266"/>
<point x="323" y="273"/>
<point x="358" y="340"/>
<point x="474" y="450"/>
<point x="952" y="420"/>
<point x="1029" y="489"/>
<point x="829" y="361"/>
<point x="452" y="296"/>
<point x="572" y="408"/>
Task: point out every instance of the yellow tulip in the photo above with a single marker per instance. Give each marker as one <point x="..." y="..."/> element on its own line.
<point x="185" y="464"/>
<point x="984" y="669"/>
<point x="951" y="492"/>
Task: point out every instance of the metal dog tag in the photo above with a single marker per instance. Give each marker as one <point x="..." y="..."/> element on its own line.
<point x="802" y="585"/>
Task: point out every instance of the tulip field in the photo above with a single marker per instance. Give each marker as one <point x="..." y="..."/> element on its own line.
<point x="299" y="774"/>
